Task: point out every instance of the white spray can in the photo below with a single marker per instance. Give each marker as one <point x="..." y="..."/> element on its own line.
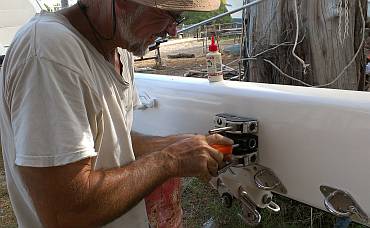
<point x="214" y="63"/>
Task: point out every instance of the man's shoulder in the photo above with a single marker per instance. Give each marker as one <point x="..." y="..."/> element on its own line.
<point x="47" y="36"/>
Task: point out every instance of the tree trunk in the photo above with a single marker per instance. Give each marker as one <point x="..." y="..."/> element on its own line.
<point x="64" y="3"/>
<point x="274" y="22"/>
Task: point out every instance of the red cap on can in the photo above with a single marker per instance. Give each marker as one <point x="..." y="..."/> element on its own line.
<point x="213" y="47"/>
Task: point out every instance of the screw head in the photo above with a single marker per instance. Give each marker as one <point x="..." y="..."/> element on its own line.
<point x="266" y="199"/>
<point x="227" y="200"/>
<point x="252" y="127"/>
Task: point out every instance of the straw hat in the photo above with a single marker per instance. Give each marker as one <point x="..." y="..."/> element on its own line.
<point x="182" y="5"/>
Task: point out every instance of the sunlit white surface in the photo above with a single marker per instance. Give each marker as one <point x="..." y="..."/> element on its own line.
<point x="2" y="50"/>
<point x="234" y="4"/>
<point x="308" y="136"/>
<point x="13" y="14"/>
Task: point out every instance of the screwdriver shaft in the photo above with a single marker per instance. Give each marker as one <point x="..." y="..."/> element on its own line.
<point x="219" y="130"/>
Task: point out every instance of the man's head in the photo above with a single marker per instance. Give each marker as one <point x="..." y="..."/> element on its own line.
<point x="140" y="22"/>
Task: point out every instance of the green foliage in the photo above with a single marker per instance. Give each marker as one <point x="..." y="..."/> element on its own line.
<point x="200" y="203"/>
<point x="195" y="17"/>
<point x="47" y="8"/>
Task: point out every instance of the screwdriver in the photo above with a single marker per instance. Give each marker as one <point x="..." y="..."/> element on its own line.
<point x="224" y="149"/>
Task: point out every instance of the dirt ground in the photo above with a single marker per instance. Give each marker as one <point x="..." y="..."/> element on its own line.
<point x="7" y="218"/>
<point x="180" y="66"/>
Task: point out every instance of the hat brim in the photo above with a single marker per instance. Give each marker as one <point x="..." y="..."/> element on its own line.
<point x="182" y="5"/>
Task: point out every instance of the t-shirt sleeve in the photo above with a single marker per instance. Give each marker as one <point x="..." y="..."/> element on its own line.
<point x="52" y="109"/>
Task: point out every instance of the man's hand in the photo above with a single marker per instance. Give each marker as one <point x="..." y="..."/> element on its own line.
<point x="146" y="144"/>
<point x="195" y="157"/>
<point x="100" y="196"/>
<point x="219" y="139"/>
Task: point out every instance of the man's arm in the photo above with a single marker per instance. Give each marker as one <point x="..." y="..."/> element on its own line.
<point x="75" y="195"/>
<point x="145" y="144"/>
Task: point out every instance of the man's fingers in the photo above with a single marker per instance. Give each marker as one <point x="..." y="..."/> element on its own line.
<point x="218" y="139"/>
<point x="212" y="167"/>
<point x="195" y="155"/>
<point x="184" y="136"/>
<point x="205" y="178"/>
<point x="216" y="155"/>
<point x="227" y="157"/>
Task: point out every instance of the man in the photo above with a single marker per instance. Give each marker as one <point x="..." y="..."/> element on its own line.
<point x="66" y="117"/>
<point x="163" y="204"/>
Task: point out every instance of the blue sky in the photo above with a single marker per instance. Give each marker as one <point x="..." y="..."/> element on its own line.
<point x="233" y="4"/>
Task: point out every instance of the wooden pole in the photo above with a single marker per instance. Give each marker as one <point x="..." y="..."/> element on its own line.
<point x="361" y="59"/>
<point x="272" y="25"/>
<point x="64" y="3"/>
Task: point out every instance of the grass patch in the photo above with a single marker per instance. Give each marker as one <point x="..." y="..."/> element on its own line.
<point x="200" y="202"/>
<point x="7" y="218"/>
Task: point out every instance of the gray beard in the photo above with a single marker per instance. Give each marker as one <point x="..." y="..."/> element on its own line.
<point x="135" y="45"/>
<point x="138" y="49"/>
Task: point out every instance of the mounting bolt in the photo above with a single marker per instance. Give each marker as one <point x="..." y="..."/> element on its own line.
<point x="252" y="127"/>
<point x="266" y="199"/>
<point x="253" y="158"/>
<point x="252" y="143"/>
<point x="227" y="200"/>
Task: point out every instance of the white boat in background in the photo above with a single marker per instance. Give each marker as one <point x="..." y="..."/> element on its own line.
<point x="13" y="14"/>
<point x="2" y="50"/>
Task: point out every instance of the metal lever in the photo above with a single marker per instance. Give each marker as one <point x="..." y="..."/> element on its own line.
<point x="221" y="129"/>
<point x="226" y="167"/>
<point x="266" y="179"/>
<point x="251" y="215"/>
<point x="273" y="207"/>
<point x="342" y="204"/>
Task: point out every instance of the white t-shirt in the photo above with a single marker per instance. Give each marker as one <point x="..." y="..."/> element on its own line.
<point x="62" y="102"/>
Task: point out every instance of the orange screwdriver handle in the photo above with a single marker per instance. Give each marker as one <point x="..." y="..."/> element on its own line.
<point x="224" y="149"/>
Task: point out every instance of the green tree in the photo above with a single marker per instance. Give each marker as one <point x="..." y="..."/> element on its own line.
<point x="195" y="17"/>
<point x="47" y="8"/>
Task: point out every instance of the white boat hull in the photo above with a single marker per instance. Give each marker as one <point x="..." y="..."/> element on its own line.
<point x="309" y="137"/>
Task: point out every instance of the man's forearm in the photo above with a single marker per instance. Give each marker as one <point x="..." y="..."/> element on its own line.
<point x="94" y="198"/>
<point x="145" y="144"/>
<point x="116" y="191"/>
<point x="75" y="195"/>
